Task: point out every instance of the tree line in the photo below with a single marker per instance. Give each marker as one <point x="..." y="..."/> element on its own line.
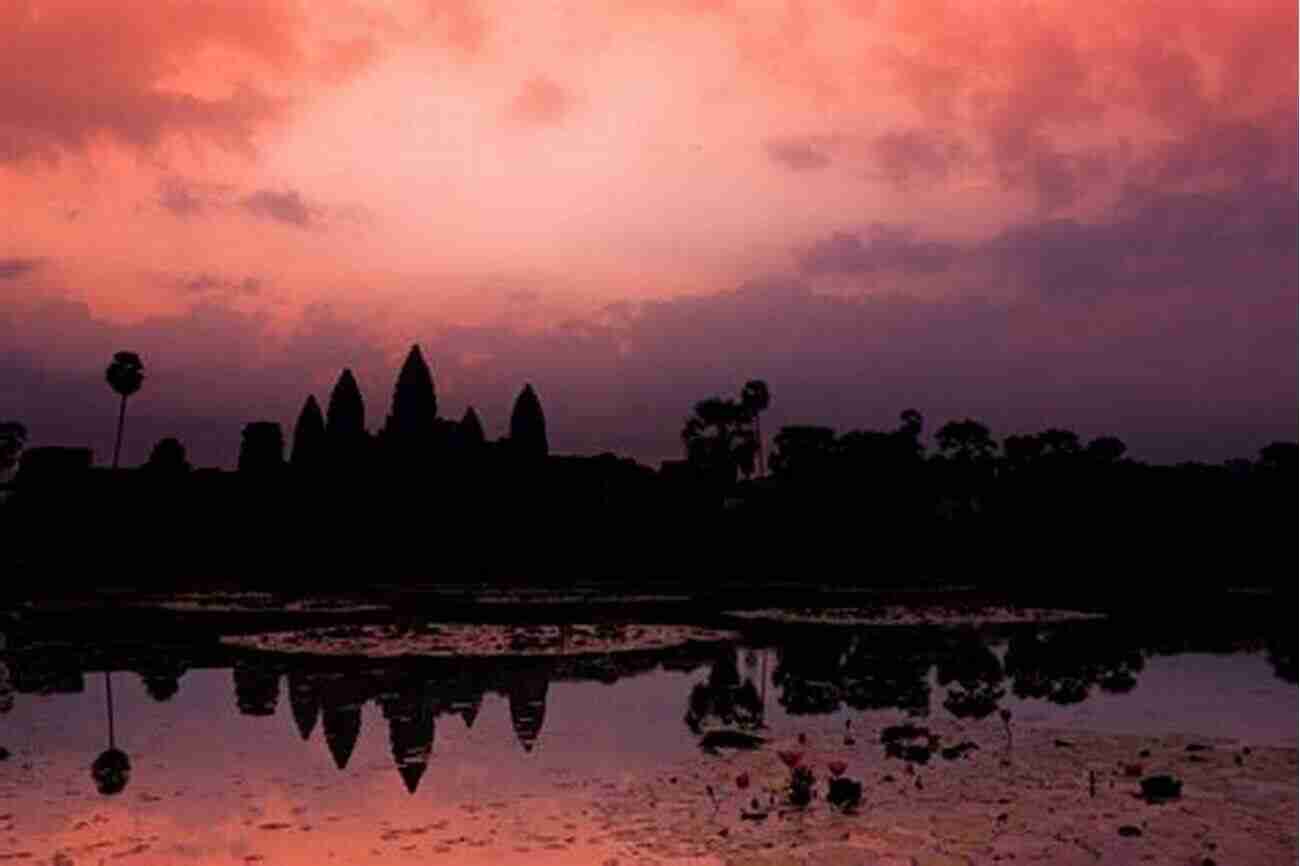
<point x="723" y="444"/>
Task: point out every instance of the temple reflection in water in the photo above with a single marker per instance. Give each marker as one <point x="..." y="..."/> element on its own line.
<point x="965" y="673"/>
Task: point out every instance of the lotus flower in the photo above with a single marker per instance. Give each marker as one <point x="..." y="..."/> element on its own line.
<point x="790" y="759"/>
<point x="837" y="768"/>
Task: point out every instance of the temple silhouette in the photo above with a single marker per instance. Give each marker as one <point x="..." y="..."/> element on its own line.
<point x="419" y="496"/>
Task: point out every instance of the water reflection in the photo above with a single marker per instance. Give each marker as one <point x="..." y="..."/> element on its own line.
<point x="112" y="769"/>
<point x="863" y="669"/>
<point x="964" y="673"/>
<point x="723" y="699"/>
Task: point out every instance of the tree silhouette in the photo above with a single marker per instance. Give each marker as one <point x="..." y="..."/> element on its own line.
<point x="719" y="440"/>
<point x="528" y="426"/>
<point x="965" y="442"/>
<point x="309" y="438"/>
<point x="1106" y="449"/>
<point x="13" y="436"/>
<point x="161" y="675"/>
<point x="724" y="697"/>
<point x="167" y="459"/>
<point x="1279" y="457"/>
<point x="262" y="450"/>
<point x="345" y="422"/>
<point x="755" y="399"/>
<point x="1059" y="443"/>
<point x="409" y="429"/>
<point x="1021" y="453"/>
<point x="911" y="426"/>
<point x="973" y="676"/>
<point x="125" y="375"/>
<point x="804" y="453"/>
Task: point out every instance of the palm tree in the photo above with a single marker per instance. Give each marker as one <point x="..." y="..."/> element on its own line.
<point x="755" y="398"/>
<point x="13" y="436"/>
<point x="125" y="376"/>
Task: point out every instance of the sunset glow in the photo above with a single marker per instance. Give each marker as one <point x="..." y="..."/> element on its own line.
<point x="1027" y="212"/>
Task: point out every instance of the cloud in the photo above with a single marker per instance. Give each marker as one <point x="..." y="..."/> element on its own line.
<point x="179" y="197"/>
<point x="1207" y="375"/>
<point x="13" y="268"/>
<point x="205" y="283"/>
<point x="1030" y="91"/>
<point x="905" y="157"/>
<point x="127" y="87"/>
<point x="463" y="23"/>
<point x="286" y="207"/>
<point x="541" y="102"/>
<point x="210" y="71"/>
<point x="885" y="248"/>
<point x="797" y="154"/>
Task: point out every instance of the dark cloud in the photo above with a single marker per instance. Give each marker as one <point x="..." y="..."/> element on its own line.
<point x="911" y="156"/>
<point x="884" y="248"/>
<point x="63" y="84"/>
<point x="1025" y="91"/>
<point x="1189" y="245"/>
<point x="179" y="197"/>
<point x="211" y="284"/>
<point x="13" y="268"/>
<point x="77" y="71"/>
<point x="797" y="154"/>
<point x="286" y="207"/>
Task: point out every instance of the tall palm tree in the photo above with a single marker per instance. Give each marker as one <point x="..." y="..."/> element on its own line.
<point x="755" y="398"/>
<point x="125" y="376"/>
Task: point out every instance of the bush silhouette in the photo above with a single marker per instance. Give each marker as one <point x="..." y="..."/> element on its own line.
<point x="167" y="459"/>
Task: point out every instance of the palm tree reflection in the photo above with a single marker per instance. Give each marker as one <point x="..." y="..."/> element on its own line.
<point x="112" y="769"/>
<point x="723" y="697"/>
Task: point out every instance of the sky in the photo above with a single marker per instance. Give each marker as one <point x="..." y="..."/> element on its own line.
<point x="1036" y="214"/>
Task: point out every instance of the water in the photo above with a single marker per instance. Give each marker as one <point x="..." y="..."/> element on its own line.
<point x="240" y="758"/>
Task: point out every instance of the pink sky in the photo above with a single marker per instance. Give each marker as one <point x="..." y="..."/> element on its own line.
<point x="1037" y="213"/>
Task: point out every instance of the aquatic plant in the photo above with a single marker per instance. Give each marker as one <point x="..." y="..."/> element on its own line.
<point x="1158" y="789"/>
<point x="844" y="793"/>
<point x="800" y="790"/>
